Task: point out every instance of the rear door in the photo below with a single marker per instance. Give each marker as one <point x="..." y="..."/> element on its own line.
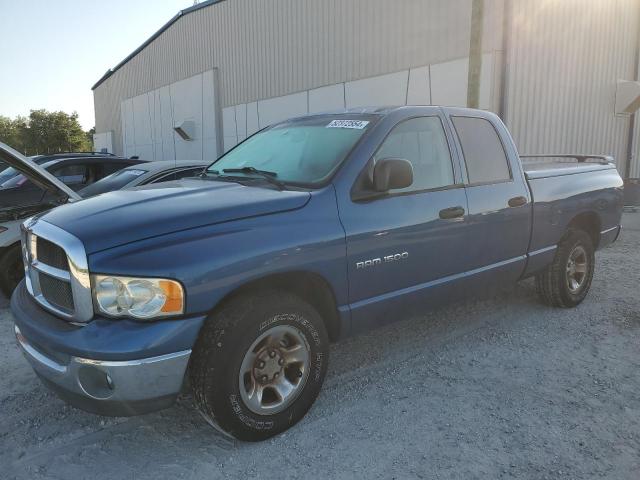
<point x="499" y="213"/>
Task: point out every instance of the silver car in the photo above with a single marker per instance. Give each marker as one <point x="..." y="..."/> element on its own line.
<point x="11" y="267"/>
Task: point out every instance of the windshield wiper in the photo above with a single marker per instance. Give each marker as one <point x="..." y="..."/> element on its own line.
<point x="267" y="175"/>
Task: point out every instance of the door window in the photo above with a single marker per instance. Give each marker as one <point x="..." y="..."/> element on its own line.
<point x="111" y="167"/>
<point x="483" y="151"/>
<point x="72" y="175"/>
<point x="422" y="142"/>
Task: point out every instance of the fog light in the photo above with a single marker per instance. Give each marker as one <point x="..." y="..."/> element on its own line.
<point x="95" y="383"/>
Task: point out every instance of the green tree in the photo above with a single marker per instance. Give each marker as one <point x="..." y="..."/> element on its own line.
<point x="45" y="132"/>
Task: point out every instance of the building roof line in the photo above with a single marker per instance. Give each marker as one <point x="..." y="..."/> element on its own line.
<point x="162" y="29"/>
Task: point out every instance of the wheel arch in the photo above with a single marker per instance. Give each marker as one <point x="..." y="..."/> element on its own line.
<point x="309" y="286"/>
<point x="588" y="222"/>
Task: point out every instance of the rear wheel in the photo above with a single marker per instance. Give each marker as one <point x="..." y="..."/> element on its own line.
<point x="259" y="364"/>
<point x="11" y="270"/>
<point x="566" y="282"/>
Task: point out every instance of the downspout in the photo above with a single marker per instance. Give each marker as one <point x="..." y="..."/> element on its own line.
<point x="506" y="43"/>
<point x="632" y="121"/>
<point x="475" y="54"/>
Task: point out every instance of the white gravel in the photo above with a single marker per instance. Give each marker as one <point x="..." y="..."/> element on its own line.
<point x="497" y="388"/>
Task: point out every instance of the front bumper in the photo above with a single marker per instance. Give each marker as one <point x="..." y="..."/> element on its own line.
<point x="111" y="388"/>
<point x="108" y="367"/>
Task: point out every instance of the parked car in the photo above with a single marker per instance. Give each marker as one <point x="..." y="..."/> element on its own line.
<point x="11" y="265"/>
<point x="152" y="172"/>
<point x="322" y="226"/>
<point x="7" y="172"/>
<point x="20" y="197"/>
<point x="76" y="172"/>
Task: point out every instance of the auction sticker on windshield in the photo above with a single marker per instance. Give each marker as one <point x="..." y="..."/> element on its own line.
<point x="357" y="124"/>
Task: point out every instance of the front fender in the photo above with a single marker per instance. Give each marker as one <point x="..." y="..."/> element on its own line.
<point x="213" y="261"/>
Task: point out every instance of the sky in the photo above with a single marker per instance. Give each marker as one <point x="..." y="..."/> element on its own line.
<point x="53" y="51"/>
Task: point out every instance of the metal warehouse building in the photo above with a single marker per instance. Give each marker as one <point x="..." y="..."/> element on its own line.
<point x="561" y="73"/>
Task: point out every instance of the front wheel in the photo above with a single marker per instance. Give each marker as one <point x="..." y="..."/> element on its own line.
<point x="259" y="364"/>
<point x="566" y="282"/>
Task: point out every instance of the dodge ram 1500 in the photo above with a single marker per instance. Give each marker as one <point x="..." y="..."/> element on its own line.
<point x="311" y="230"/>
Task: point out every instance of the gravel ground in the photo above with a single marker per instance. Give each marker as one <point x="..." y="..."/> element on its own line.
<point x="498" y="388"/>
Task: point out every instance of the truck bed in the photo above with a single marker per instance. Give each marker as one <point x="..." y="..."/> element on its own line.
<point x="595" y="186"/>
<point x="544" y="166"/>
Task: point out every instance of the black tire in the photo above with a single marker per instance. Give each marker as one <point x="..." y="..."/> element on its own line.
<point x="219" y="354"/>
<point x="11" y="269"/>
<point x="554" y="283"/>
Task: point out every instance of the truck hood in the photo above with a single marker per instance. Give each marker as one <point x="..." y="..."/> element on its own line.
<point x="36" y="173"/>
<point x="126" y="216"/>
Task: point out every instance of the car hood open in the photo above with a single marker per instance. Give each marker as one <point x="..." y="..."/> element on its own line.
<point x="36" y="173"/>
<point x="126" y="216"/>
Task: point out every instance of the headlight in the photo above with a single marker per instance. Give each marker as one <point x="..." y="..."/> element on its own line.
<point x="141" y="298"/>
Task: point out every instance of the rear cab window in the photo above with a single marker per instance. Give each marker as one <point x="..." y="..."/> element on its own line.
<point x="483" y="152"/>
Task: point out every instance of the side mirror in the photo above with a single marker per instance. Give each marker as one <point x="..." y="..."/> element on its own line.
<point x="392" y="173"/>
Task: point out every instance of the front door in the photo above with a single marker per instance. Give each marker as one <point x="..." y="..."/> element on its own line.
<point x="405" y="247"/>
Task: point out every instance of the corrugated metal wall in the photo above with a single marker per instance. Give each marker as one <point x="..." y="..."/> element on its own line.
<point x="563" y="63"/>
<point x="275" y="47"/>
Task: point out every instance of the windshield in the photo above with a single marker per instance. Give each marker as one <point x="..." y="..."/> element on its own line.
<point x="115" y="181"/>
<point x="305" y="151"/>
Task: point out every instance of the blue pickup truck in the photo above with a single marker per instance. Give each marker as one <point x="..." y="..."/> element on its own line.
<point x="235" y="283"/>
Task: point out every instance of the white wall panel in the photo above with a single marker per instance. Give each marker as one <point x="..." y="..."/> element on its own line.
<point x="209" y="109"/>
<point x="166" y="124"/>
<point x="276" y="109"/>
<point x="419" y="91"/>
<point x="127" y="121"/>
<point x="229" y="128"/>
<point x="326" y="98"/>
<point x="103" y="141"/>
<point x="241" y="121"/>
<point x="449" y="83"/>
<point x="209" y="149"/>
<point x="253" y="124"/>
<point x="382" y="90"/>
<point x="142" y="120"/>
<point x="186" y="103"/>
<point x="148" y="120"/>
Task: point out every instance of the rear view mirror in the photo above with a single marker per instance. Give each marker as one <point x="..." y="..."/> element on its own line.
<point x="392" y="173"/>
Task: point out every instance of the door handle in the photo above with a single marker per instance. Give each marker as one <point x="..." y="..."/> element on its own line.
<point x="517" y="201"/>
<point x="451" y="212"/>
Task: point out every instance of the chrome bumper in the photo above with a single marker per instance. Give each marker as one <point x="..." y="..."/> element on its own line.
<point x="119" y="388"/>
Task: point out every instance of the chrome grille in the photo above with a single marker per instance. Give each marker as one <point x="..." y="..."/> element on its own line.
<point x="57" y="292"/>
<point x="51" y="254"/>
<point x="56" y="270"/>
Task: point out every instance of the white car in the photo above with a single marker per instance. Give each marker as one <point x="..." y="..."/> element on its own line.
<point x="11" y="266"/>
